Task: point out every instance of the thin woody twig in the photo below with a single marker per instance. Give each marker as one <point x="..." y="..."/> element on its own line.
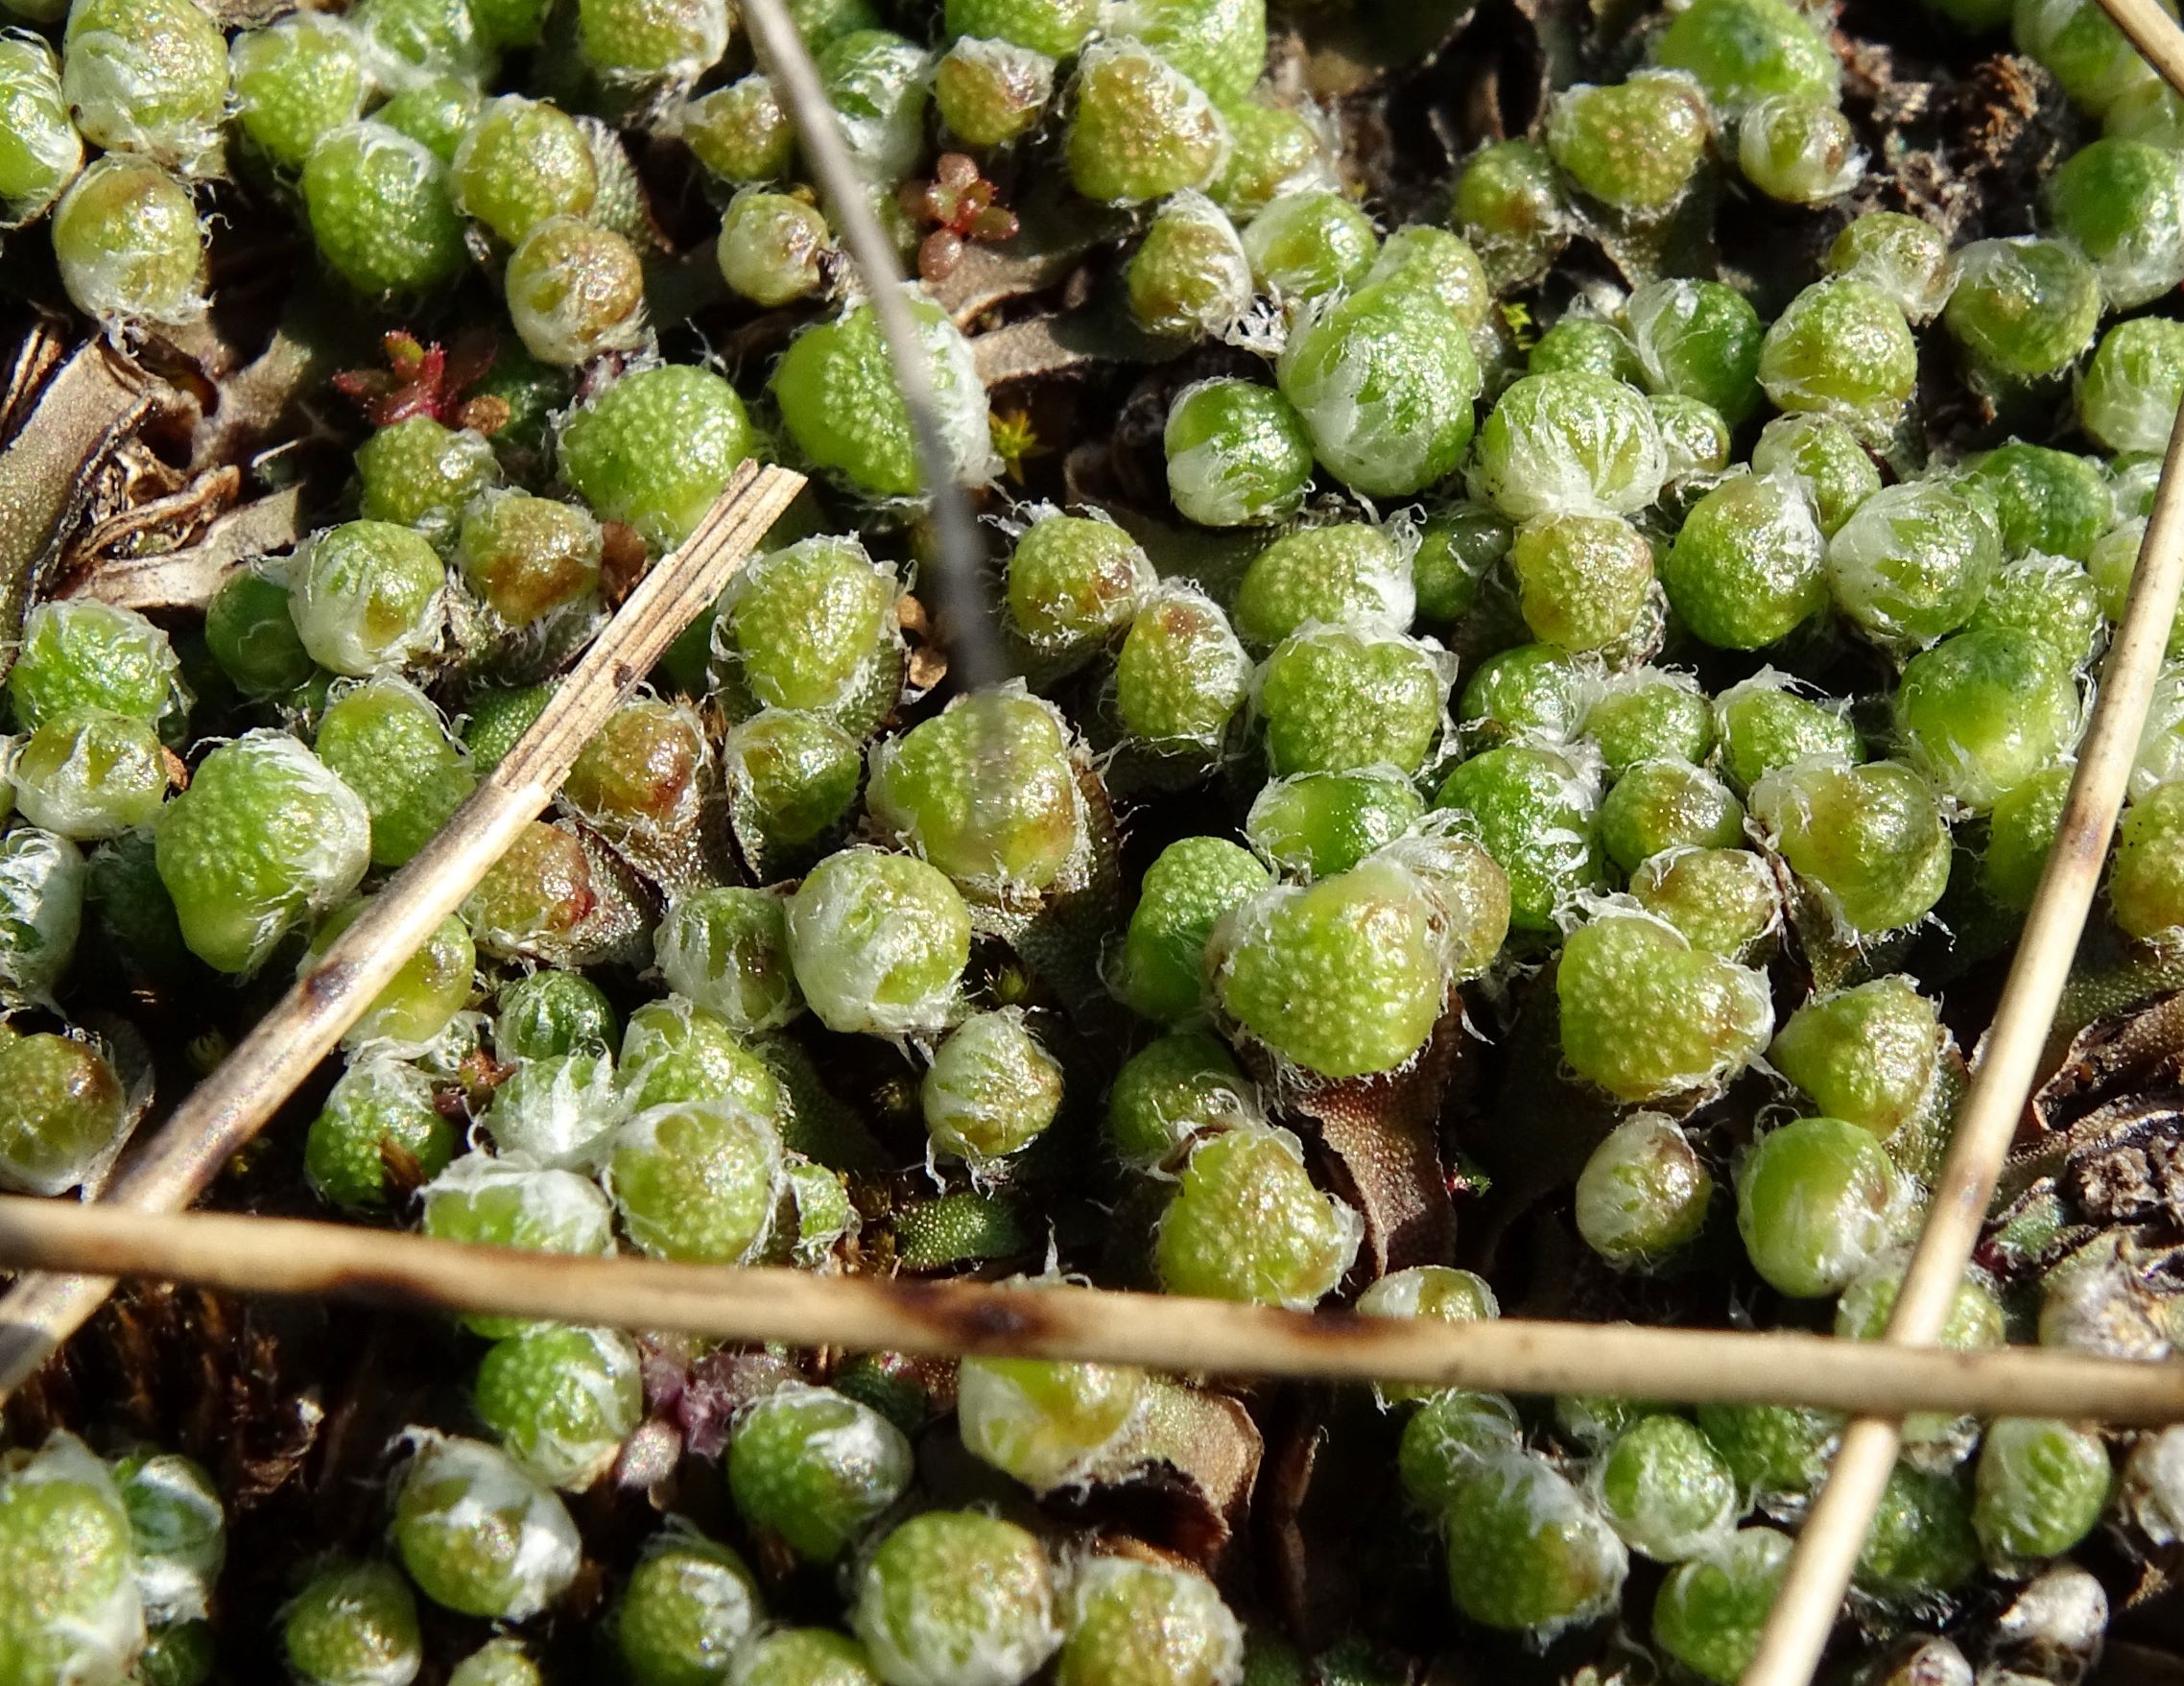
<point x="233" y="1104"/>
<point x="285" y="1256"/>
<point x="1812" y="1593"/>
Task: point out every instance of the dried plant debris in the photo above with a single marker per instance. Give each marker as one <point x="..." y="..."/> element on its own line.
<point x="1553" y="559"/>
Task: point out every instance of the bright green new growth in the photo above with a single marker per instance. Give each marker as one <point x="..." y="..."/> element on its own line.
<point x="802" y="1656"/>
<point x="1582" y="581"/>
<point x="2021" y="833"/>
<point x="544" y="1013"/>
<point x="480" y="1535"/>
<point x="1745" y="568"/>
<point x="1698" y="340"/>
<point x="1247" y="1224"/>
<point x="1765" y="724"/>
<point x="991" y="1089"/>
<point x="689" y="1604"/>
<point x="418" y="473"/>
<point x="1723" y="900"/>
<point x="1868" y="1054"/>
<point x="1921" y="1544"/>
<point x="1341" y="978"/>
<point x="2137" y="369"/>
<point x="1709" y="1613"/>
<point x="816" y="1468"/>
<point x="1536" y="816"/>
<point x="1438" y="1292"/>
<point x="2074" y="40"/>
<point x="1191" y="277"/>
<point x="41" y="151"/>
<point x="1044" y="1423"/>
<point x="1634" y="145"/>
<point x="1798" y="150"/>
<point x="252" y="635"/>
<point x="987" y="792"/>
<point x="2039" y="1489"/>
<point x="90" y="773"/>
<point x="352" y="1624"/>
<point x="1914" y="562"/>
<point x="2122" y="205"/>
<point x="2045" y="501"/>
<point x="772" y="247"/>
<point x="1841" y="350"/>
<point x="561" y="1400"/>
<point x="387" y="742"/>
<point x="1147" y="1624"/>
<point x="1509" y="205"/>
<point x="1775" y="1451"/>
<point x="2146" y="880"/>
<point x="1456" y="546"/>
<point x="739" y="132"/>
<point x="1182" y="674"/>
<point x="1659" y="805"/>
<point x="656" y="448"/>
<point x="1445" y="1435"/>
<point x="1870" y="841"/>
<point x="1666" y="1490"/>
<point x="676" y="1051"/>
<point x="812" y="628"/>
<point x="1906" y="257"/>
<point x="1705" y="1017"/>
<point x="128" y="243"/>
<point x="1196" y="880"/>
<point x="1586" y="345"/>
<point x="1648" y="714"/>
<point x="2023" y="309"/>
<point x="522" y="161"/>
<point x="957" y="1599"/>
<point x="1310" y="244"/>
<point x="62" y="1113"/>
<point x="878" y="942"/>
<point x="1350" y="574"/>
<point x="837" y="397"/>
<point x="1385" y="381"/>
<point x="727" y="950"/>
<point x="1319" y="823"/>
<point x="1074" y="582"/>
<point x="378" y="1116"/>
<point x="1332" y="701"/>
<point x="1642" y="1194"/>
<point x="1238" y="453"/>
<point x="1746" y="50"/>
<point x="1141" y="129"/>
<point x="1823" y="454"/>
<point x="1272" y="150"/>
<point x="380" y="212"/>
<point x="265" y="836"/>
<point x="1814" y="1202"/>
<point x="1172" y="1091"/>
<point x="1569" y="443"/>
<point x="792" y="780"/>
<point x="1526" y="1552"/>
<point x="1983" y="712"/>
<point x="367" y="595"/>
<point x="148" y="78"/>
<point x="644" y="42"/>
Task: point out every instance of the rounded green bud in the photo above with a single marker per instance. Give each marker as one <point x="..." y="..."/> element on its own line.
<point x="2051" y="502"/>
<point x="520" y="162"/>
<point x="2128" y="398"/>
<point x="1700" y="340"/>
<point x="1385" y="381"/>
<point x="1826" y="457"/>
<point x="1238" y="453"/>
<point x="1456" y="546"/>
<point x="1666" y="1490"/>
<point x="528" y="557"/>
<point x="1747" y="567"/>
<point x="1536" y="816"/>
<point x="991" y="1089"/>
<point x="1333" y="700"/>
<point x="265" y="836"/>
<point x="688" y="1607"/>
<point x="1642" y="1194"/>
<point x="2122" y="203"/>
<point x="1182" y="674"/>
<point x="2074" y="41"/>
<point x="1914" y="562"/>
<point x="1072" y="581"/>
<point x="1582" y="581"/>
<point x="740" y="133"/>
<point x="1746" y="50"/>
<point x="989" y="92"/>
<point x="726" y="949"/>
<point x="149" y="78"/>
<point x="1704" y="1018"/>
<point x="575" y="290"/>
<point x="813" y="628"/>
<point x="1585" y="345"/>
<point x="1192" y="276"/>
<point x="772" y="247"/>
<point x="1056" y="27"/>
<point x="435" y="112"/>
<point x="1147" y="1624"/>
<point x="1045" y="1424"/>
<point x="378" y="1116"/>
<point x="561" y="1400"/>
<point x="1797" y="150"/>
<point x="418" y="473"/>
<point x="815" y="1469"/>
<point x="63" y="1114"/>
<point x="2145" y="879"/>
<point x="1272" y="150"/>
<point x="367" y="595"/>
<point x="987" y="792"/>
<point x="128" y="243"/>
<point x="536" y="898"/>
<point x="380" y="211"/>
<point x="1319" y="823"/>
<point x="2023" y="308"/>
<point x="1569" y="443"/>
<point x="1777" y="1452"/>
<point x="2021" y="833"/>
<point x="1870" y="841"/>
<point x="1694" y="438"/>
<point x="41" y="151"/>
<point x="387" y="742"/>
<point x="558" y="1110"/>
<point x="42" y="883"/>
<point x="2039" y="1489"/>
<point x="878" y="942"/>
<point x="1921" y="1544"/>
<point x="1348" y="574"/>
<point x="879" y="82"/>
<point x="1341" y="978"/>
<point x="656" y="448"/>
<point x="1438" y="1292"/>
<point x="1983" y="712"/>
<point x="1196" y="880"/>
<point x="503" y="1203"/>
<point x="792" y="780"/>
<point x="1906" y="257"/>
<point x="420" y="1000"/>
<point x="90" y="773"/>
<point x="1309" y="243"/>
<point x="1526" y="1552"/>
<point x="480" y="1535"/>
<point x="1841" y="350"/>
<point x="953" y="1598"/>
<point x="1634" y="145"/>
<point x="1141" y="129"/>
<point x="1763" y="724"/>
<point x="836" y="391"/>
<point x="251" y="634"/>
<point x="675" y="1050"/>
<point x="1439" y="265"/>
<point x="1509" y="204"/>
<point x="409" y="40"/>
<point x="1974" y="1320"/>
<point x="1171" y="1092"/>
<point x="1709" y="1614"/>
<point x="498" y="1662"/>
<point x="1648" y="714"/>
<point x="1815" y="1200"/>
<point x="352" y="1624"/>
<point x="641" y="42"/>
<point x="1725" y="901"/>
<point x="1449" y="1432"/>
<point x="1247" y="1224"/>
<point x="546" y="1012"/>
<point x="800" y="1656"/>
<point x="1870" y="1054"/>
<point x="1661" y="805"/>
